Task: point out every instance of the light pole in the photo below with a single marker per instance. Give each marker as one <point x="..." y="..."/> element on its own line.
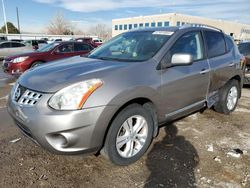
<point x="5" y="21"/>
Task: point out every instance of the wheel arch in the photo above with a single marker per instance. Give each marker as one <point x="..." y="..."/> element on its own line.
<point x="146" y="103"/>
<point x="36" y="61"/>
<point x="239" y="79"/>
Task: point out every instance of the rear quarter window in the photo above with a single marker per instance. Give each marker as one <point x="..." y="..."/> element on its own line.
<point x="216" y="45"/>
<point x="229" y="43"/>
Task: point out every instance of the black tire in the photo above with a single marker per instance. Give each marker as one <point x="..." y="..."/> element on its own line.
<point x="110" y="149"/>
<point x="221" y="106"/>
<point x="36" y="63"/>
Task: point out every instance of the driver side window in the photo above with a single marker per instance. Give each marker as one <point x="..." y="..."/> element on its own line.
<point x="189" y="43"/>
<point x="65" y="48"/>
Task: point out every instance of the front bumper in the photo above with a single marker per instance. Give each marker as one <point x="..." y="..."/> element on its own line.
<point x="62" y="132"/>
<point x="14" y="68"/>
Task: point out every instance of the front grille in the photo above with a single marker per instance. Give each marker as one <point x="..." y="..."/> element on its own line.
<point x="25" y="96"/>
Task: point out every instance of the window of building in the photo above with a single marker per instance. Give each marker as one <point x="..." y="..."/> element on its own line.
<point x="182" y="23"/>
<point x="215" y="43"/>
<point x="130" y="26"/>
<point x="135" y="25"/>
<point x="116" y="27"/>
<point x="166" y="24"/>
<point x="141" y="25"/>
<point x="120" y="27"/>
<point x="146" y="24"/>
<point x="178" y="23"/>
<point x="153" y="24"/>
<point x="125" y="27"/>
<point x="159" y="24"/>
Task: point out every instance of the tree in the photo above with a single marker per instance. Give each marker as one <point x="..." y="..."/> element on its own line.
<point x="11" y="29"/>
<point x="102" y="31"/>
<point x="59" y="25"/>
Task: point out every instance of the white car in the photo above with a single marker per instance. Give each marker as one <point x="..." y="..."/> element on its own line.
<point x="8" y="48"/>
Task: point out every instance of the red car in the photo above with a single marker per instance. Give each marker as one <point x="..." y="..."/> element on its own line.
<point x="16" y="65"/>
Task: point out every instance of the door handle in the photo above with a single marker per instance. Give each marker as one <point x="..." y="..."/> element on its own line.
<point x="231" y="64"/>
<point x="204" y="71"/>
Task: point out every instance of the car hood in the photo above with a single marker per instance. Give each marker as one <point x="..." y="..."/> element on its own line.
<point x="56" y="75"/>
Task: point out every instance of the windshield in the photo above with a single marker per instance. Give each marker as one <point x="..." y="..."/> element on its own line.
<point x="47" y="47"/>
<point x="132" y="46"/>
<point x="244" y="48"/>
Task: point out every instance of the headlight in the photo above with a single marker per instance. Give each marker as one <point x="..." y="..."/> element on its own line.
<point x="73" y="97"/>
<point x="20" y="59"/>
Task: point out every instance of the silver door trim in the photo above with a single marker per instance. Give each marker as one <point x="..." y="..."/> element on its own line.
<point x="185" y="109"/>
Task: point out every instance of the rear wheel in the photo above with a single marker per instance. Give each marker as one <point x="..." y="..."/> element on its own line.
<point x="129" y="136"/>
<point x="228" y="97"/>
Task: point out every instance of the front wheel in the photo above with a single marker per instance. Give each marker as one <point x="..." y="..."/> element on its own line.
<point x="129" y="136"/>
<point x="36" y="64"/>
<point x="228" y="97"/>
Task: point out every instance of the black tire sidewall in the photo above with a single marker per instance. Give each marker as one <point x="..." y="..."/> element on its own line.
<point x="36" y="63"/>
<point x="233" y="83"/>
<point x="110" y="144"/>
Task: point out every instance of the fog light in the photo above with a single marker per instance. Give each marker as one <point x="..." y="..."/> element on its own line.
<point x="61" y="141"/>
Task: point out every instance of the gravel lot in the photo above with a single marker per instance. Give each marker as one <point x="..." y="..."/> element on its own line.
<point x="196" y="151"/>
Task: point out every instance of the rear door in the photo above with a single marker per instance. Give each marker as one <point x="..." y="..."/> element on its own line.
<point x="184" y="87"/>
<point x="222" y="61"/>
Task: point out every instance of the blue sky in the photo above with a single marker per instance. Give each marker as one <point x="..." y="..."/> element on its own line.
<point x="35" y="14"/>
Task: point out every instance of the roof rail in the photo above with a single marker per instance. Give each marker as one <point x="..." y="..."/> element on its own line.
<point x="200" y="25"/>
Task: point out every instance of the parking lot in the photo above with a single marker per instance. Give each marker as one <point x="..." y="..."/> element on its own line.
<point x="202" y="150"/>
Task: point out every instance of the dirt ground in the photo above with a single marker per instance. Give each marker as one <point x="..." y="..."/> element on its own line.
<point x="192" y="152"/>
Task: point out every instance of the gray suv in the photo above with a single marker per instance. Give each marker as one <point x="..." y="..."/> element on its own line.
<point x="114" y="100"/>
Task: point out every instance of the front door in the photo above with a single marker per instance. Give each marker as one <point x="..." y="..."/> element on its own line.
<point x="185" y="86"/>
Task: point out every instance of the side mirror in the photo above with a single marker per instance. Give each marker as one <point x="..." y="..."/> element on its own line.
<point x="181" y="59"/>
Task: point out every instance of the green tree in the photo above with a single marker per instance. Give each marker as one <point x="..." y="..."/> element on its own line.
<point x="11" y="29"/>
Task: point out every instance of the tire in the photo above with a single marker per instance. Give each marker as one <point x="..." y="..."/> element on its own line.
<point x="230" y="92"/>
<point x="36" y="63"/>
<point x="124" y="122"/>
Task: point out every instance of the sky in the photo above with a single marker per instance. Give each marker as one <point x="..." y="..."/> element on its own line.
<point x="36" y="14"/>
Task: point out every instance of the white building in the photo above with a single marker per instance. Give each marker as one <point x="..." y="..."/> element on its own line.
<point x="239" y="30"/>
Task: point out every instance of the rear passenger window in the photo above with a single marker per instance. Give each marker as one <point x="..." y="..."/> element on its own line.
<point x="6" y="45"/>
<point x="17" y="45"/>
<point x="215" y="43"/>
<point x="81" y="47"/>
<point x="189" y="43"/>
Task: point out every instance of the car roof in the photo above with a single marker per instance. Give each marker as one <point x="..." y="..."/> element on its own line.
<point x="10" y="41"/>
<point x="176" y="28"/>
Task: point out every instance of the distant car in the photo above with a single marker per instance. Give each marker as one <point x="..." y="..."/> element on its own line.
<point x="54" y="40"/>
<point x="36" y="44"/>
<point x="88" y="40"/>
<point x="97" y="42"/>
<point x="244" y="49"/>
<point x="8" y="48"/>
<point x="3" y="38"/>
<point x="16" y="65"/>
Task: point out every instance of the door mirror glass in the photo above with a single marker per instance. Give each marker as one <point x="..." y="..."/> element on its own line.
<point x="181" y="59"/>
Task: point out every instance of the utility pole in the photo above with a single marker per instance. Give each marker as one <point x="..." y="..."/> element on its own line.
<point x="18" y="24"/>
<point x="5" y="20"/>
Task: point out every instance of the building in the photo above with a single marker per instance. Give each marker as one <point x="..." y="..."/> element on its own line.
<point x="238" y="30"/>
